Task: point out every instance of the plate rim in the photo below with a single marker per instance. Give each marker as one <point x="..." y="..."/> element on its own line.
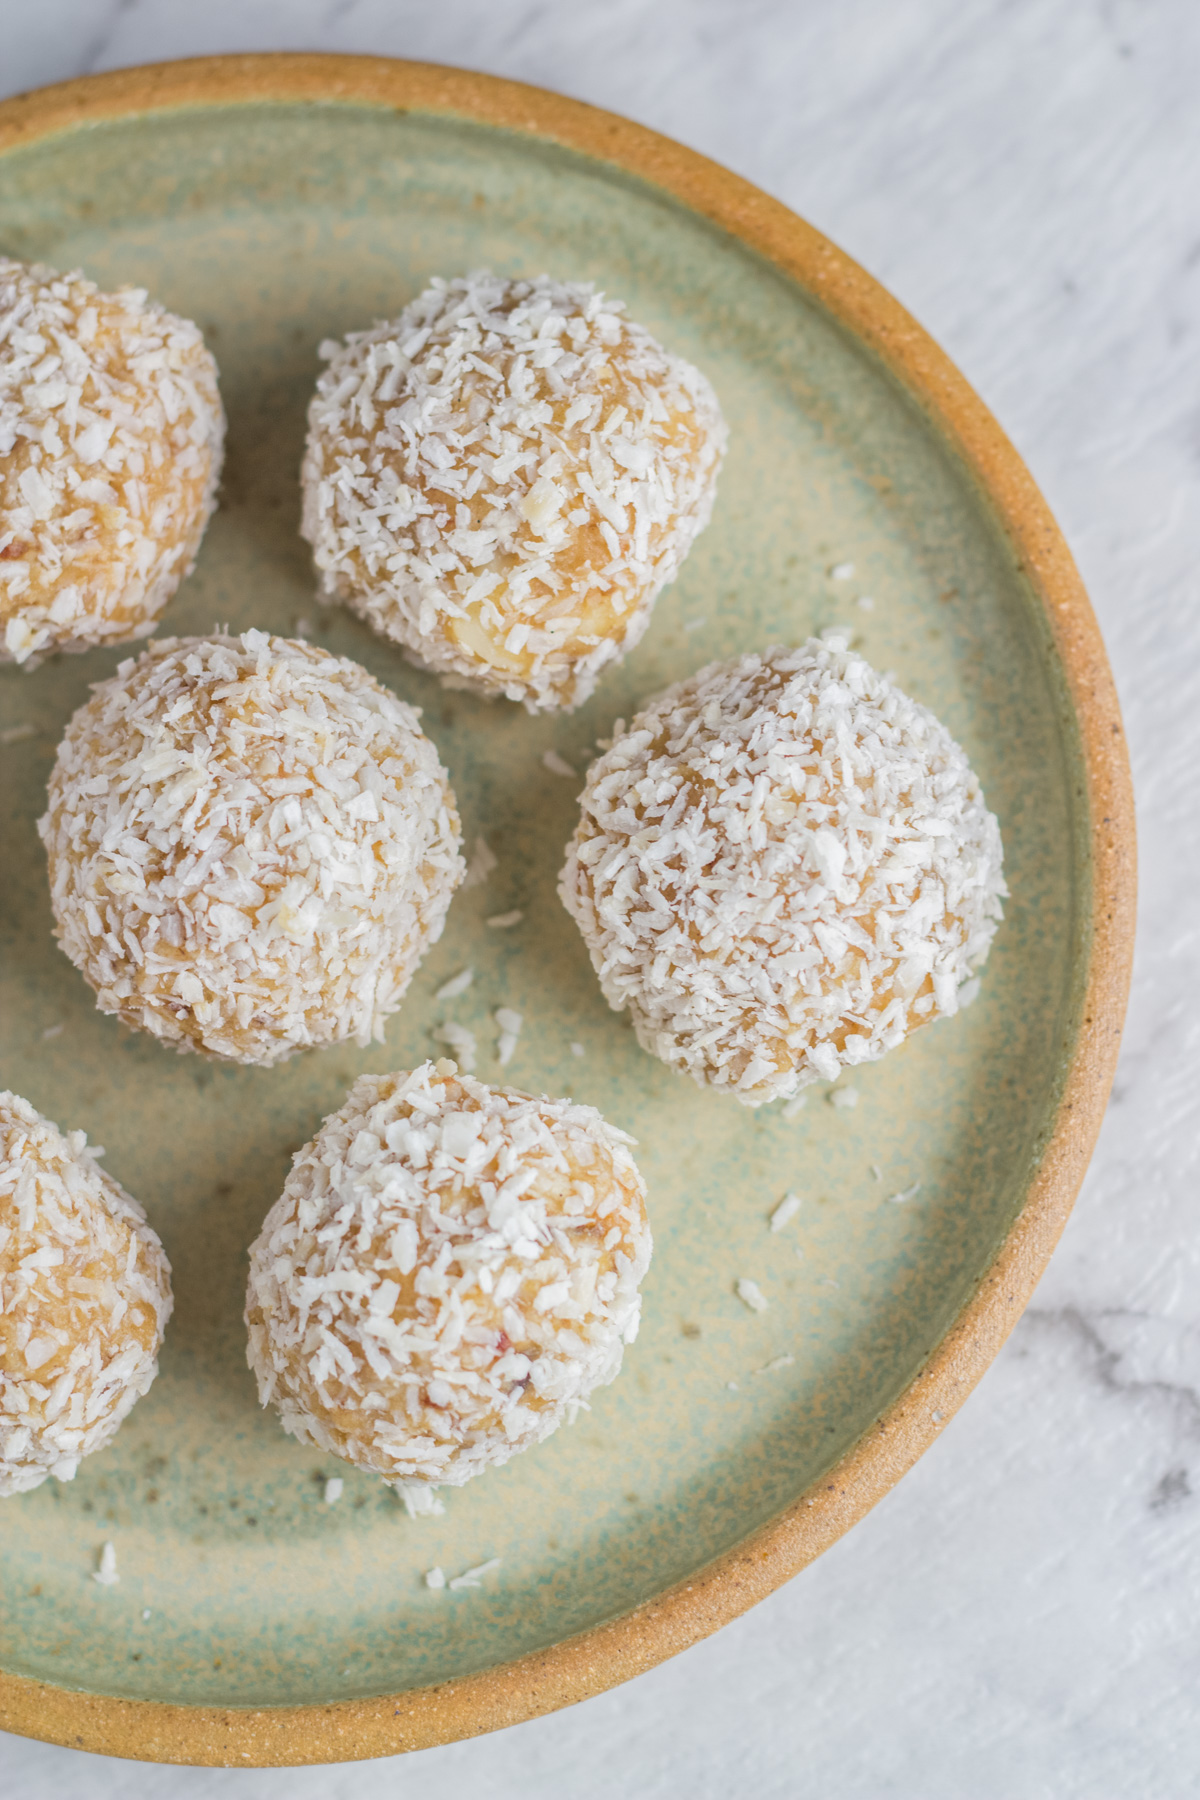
<point x="588" y="1663"/>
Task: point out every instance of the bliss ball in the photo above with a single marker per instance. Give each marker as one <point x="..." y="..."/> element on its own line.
<point x="450" y="1270"/>
<point x="251" y="845"/>
<point x="86" y="1295"/>
<point x="781" y="869"/>
<point x="111" y="435"/>
<point x="504" y="478"/>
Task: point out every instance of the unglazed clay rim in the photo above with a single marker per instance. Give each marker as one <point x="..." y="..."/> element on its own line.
<point x="586" y="1664"/>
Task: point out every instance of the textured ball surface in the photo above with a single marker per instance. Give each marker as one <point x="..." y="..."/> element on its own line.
<point x="251" y="845"/>
<point x="86" y="1295"/>
<point x="450" y="1270"/>
<point x="503" y="478"/>
<point x="782" y="868"/>
<point x="111" y="435"/>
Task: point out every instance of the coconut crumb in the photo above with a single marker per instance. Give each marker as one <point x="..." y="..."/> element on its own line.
<point x="844" y="1098"/>
<point x="905" y="1194"/>
<point x="458" y="984"/>
<point x="473" y="1578"/>
<point x="461" y="1041"/>
<point x="505" y="921"/>
<point x="106" y="1573"/>
<point x="842" y="571"/>
<point x="333" y="1490"/>
<point x="751" y="1295"/>
<point x="510" y="1023"/>
<point x="419" y="1499"/>
<point x="577" y="1049"/>
<point x="785" y="1212"/>
<point x="435" y="1578"/>
<point x="776" y="1363"/>
<point x="557" y="765"/>
<point x="15" y="733"/>
<point x="480" y="866"/>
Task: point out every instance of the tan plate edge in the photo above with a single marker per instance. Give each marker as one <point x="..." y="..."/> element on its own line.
<point x="586" y="1665"/>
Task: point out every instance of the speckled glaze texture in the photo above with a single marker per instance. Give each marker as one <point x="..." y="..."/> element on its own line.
<point x="282" y="200"/>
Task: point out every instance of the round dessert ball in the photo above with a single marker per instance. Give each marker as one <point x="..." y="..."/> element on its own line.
<point x="111" y="434"/>
<point x="450" y="1270"/>
<point x="782" y="868"/>
<point x="86" y="1295"/>
<point x="251" y="844"/>
<point x="503" y="478"/>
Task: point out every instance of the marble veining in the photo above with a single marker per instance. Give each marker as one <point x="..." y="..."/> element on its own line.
<point x="1016" y="1620"/>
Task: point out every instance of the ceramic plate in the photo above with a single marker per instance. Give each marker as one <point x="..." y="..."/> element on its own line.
<point x="280" y="201"/>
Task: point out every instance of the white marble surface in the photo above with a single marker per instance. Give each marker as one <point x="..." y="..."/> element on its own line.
<point x="1018" y="1619"/>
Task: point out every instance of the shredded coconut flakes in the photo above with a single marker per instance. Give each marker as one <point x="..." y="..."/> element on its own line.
<point x="462" y="1041"/>
<point x="785" y="1212"/>
<point x="458" y="984"/>
<point x="106" y="1572"/>
<point x="905" y="1194"/>
<point x="473" y="1578"/>
<point x="751" y="1295"/>
<point x="510" y="1023"/>
<point x="480" y="866"/>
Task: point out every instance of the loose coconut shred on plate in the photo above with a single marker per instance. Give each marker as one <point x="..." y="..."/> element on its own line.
<point x="85" y="1294"/>
<point x="782" y="868"/>
<point x="111" y="436"/>
<point x="451" y="1269"/>
<point x="504" y="478"/>
<point x="251" y="845"/>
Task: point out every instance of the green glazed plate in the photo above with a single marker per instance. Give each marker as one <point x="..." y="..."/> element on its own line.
<point x="282" y="201"/>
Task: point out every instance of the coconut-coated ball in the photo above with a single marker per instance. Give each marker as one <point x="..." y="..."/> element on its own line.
<point x="251" y="844"/>
<point x="111" y="436"/>
<point x="86" y="1295"/>
<point x="450" y="1270"/>
<point x="782" y="868"/>
<point x="504" y="478"/>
